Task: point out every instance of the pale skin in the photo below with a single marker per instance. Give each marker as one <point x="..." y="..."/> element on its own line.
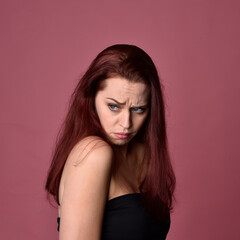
<point x="88" y="181"/>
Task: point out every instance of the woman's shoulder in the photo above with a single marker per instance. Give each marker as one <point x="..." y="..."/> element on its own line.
<point x="84" y="186"/>
<point x="91" y="141"/>
<point x="89" y="162"/>
<point x="91" y="147"/>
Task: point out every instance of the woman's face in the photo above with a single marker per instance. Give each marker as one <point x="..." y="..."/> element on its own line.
<point x="122" y="107"/>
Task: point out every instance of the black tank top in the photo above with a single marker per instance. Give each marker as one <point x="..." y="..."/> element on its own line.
<point x="125" y="218"/>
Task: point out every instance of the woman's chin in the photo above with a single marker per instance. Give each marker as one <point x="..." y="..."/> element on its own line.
<point x="120" y="142"/>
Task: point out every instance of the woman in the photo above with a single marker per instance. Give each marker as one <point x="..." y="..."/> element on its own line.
<point x="111" y="174"/>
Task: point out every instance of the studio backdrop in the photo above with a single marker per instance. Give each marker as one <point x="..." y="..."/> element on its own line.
<point x="46" y="46"/>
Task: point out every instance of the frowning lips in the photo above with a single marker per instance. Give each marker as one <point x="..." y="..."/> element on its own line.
<point x="122" y="135"/>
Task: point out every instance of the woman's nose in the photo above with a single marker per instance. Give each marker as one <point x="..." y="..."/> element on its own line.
<point x="126" y="120"/>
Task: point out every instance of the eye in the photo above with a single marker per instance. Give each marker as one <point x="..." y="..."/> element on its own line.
<point x="138" y="109"/>
<point x="112" y="107"/>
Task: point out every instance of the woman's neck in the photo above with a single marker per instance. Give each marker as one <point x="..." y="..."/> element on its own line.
<point x="127" y="155"/>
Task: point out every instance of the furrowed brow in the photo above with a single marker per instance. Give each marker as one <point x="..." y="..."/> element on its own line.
<point x="140" y="106"/>
<point x="116" y="101"/>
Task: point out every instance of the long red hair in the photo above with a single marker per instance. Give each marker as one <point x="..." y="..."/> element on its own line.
<point x="134" y="64"/>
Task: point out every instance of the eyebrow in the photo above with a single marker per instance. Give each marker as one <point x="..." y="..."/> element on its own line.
<point x="144" y="105"/>
<point x="116" y="101"/>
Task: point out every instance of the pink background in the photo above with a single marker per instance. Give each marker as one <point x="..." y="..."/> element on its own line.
<point x="45" y="47"/>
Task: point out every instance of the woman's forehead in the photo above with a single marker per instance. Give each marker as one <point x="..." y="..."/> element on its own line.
<point x="122" y="88"/>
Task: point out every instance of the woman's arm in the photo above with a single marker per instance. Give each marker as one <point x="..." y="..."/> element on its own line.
<point x="85" y="190"/>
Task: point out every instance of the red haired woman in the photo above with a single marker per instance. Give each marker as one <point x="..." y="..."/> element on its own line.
<point x="111" y="173"/>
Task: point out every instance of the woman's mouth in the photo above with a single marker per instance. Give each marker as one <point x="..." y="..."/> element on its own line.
<point x="122" y="135"/>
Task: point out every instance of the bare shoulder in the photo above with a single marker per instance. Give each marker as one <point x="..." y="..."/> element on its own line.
<point x="90" y="158"/>
<point x="92" y="148"/>
<point x="84" y="189"/>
